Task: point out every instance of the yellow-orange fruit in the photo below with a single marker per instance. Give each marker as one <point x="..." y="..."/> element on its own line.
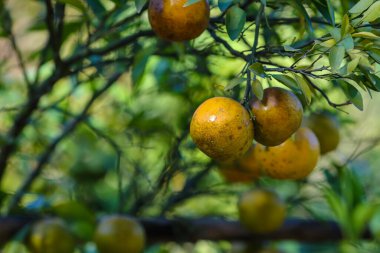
<point x="119" y="234"/>
<point x="276" y="117"/>
<point x="243" y="170"/>
<point x="222" y="129"/>
<point x="51" y="236"/>
<point x="261" y="211"/>
<point x="326" y="128"/>
<point x="294" y="159"/>
<point x="172" y="20"/>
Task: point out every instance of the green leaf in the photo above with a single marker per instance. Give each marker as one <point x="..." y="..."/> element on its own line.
<point x="290" y="49"/>
<point x="77" y="4"/>
<point x="141" y="3"/>
<point x="234" y="82"/>
<point x="372" y="13"/>
<point x="304" y="87"/>
<point x="375" y="54"/>
<point x="188" y="2"/>
<point x="345" y="26"/>
<point x="326" y="9"/>
<point x="353" y="83"/>
<point x="351" y="66"/>
<point x="235" y="20"/>
<point x="374" y="81"/>
<point x="257" y="89"/>
<point x="347" y="42"/>
<point x="336" y="57"/>
<point x="301" y="9"/>
<point x="287" y="81"/>
<point x="353" y="95"/>
<point x="336" y="34"/>
<point x="139" y="64"/>
<point x="336" y="205"/>
<point x="366" y="35"/>
<point x="361" y="217"/>
<point x="258" y="69"/>
<point x="97" y="8"/>
<point x="224" y="4"/>
<point x="361" y="6"/>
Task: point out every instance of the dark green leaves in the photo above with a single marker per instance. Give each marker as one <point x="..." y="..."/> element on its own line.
<point x="301" y="9"/>
<point x="326" y="9"/>
<point x="235" y="20"/>
<point x="224" y="4"/>
<point x="353" y="95"/>
<point x="258" y="69"/>
<point x="96" y="7"/>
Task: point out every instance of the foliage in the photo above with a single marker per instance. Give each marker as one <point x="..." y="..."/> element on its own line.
<point x="95" y="109"/>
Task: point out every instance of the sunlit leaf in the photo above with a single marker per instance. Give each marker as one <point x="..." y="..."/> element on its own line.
<point x="76" y="4"/>
<point x="361" y="6"/>
<point x="336" y="57"/>
<point x="257" y="89"/>
<point x="234" y="82"/>
<point x="366" y="35"/>
<point x="287" y="81"/>
<point x="353" y="95"/>
<point x="304" y="87"/>
<point x="258" y="69"/>
<point x="372" y="13"/>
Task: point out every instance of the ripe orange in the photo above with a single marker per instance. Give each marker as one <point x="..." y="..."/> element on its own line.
<point x="173" y="21"/>
<point x="51" y="236"/>
<point x="326" y="128"/>
<point x="222" y="129"/>
<point x="119" y="234"/>
<point x="243" y="170"/>
<point x="293" y="159"/>
<point x="277" y="116"/>
<point x="261" y="211"/>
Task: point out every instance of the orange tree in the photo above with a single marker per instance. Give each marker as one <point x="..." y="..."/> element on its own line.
<point x="95" y="115"/>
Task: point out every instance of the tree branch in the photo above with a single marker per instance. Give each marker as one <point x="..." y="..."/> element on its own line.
<point x="213" y="229"/>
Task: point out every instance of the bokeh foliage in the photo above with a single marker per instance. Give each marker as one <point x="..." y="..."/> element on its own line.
<point x="95" y="109"/>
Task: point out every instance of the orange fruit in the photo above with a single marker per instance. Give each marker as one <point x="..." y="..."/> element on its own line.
<point x="326" y="128"/>
<point x="222" y="129"/>
<point x="243" y="170"/>
<point x="277" y="116"/>
<point x="173" y="21"/>
<point x="294" y="159"/>
<point x="119" y="234"/>
<point x="261" y="211"/>
<point x="51" y="236"/>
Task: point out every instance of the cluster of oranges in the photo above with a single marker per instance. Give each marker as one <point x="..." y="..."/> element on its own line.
<point x="284" y="149"/>
<point x="224" y="130"/>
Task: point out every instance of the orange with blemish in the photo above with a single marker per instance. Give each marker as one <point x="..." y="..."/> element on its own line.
<point x="294" y="159"/>
<point x="172" y="20"/>
<point x="277" y="116"/>
<point x="222" y="129"/>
